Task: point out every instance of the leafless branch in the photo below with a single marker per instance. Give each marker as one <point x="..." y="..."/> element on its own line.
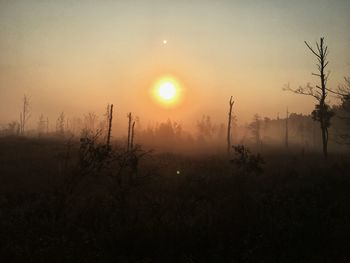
<point x="308" y="90"/>
<point x="312" y="50"/>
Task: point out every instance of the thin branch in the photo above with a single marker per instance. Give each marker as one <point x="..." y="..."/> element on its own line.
<point x="326" y="52"/>
<point x="318" y="47"/>
<point x="317" y="55"/>
<point x="308" y="90"/>
<point x="337" y="93"/>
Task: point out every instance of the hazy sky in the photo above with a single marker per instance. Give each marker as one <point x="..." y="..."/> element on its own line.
<point x="76" y="56"/>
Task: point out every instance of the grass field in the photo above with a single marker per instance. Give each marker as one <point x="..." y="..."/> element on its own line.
<point x="176" y="208"/>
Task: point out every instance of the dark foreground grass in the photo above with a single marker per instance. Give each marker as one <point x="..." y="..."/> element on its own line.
<point x="298" y="210"/>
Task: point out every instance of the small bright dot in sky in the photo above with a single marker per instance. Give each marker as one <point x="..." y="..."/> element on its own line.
<point x="165" y="41"/>
<point x="177" y="172"/>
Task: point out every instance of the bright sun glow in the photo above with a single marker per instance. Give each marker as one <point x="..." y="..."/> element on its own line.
<point x="167" y="91"/>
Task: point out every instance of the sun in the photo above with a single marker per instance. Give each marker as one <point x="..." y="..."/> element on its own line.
<point x="167" y="91"/>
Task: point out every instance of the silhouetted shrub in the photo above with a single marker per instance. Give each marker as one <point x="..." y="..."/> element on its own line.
<point x="247" y="161"/>
<point x="92" y="154"/>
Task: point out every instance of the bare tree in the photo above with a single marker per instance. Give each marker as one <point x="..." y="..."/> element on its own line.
<point x="90" y="121"/>
<point x="104" y="123"/>
<point x="177" y="127"/>
<point x="110" y="119"/>
<point x="231" y="102"/>
<point x="60" y="124"/>
<point x="68" y="125"/>
<point x="25" y="114"/>
<point x="47" y="125"/>
<point x="132" y="136"/>
<point x="322" y="112"/>
<point x="41" y="125"/>
<point x="205" y="127"/>
<point x="254" y="127"/>
<point x="13" y="128"/>
<point x="130" y="131"/>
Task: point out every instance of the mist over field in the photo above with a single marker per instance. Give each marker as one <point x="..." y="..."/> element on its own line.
<point x="77" y="56"/>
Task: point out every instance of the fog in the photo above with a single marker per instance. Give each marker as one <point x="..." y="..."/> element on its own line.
<point x="174" y="131"/>
<point x="76" y="57"/>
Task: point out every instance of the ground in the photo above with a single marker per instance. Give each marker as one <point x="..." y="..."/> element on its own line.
<point x="296" y="210"/>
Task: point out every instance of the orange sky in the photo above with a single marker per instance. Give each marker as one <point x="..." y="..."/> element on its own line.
<point x="77" y="56"/>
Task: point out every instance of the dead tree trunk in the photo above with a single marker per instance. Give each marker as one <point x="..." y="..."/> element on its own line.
<point x="322" y="93"/>
<point x="231" y="102"/>
<point x="132" y="157"/>
<point x="322" y="112"/>
<point x="129" y="131"/>
<point x="132" y="136"/>
<point x="24" y="115"/>
<point x="110" y="118"/>
<point x="47" y="125"/>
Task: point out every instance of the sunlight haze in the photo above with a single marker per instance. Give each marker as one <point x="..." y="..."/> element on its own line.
<point x="77" y="56"/>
